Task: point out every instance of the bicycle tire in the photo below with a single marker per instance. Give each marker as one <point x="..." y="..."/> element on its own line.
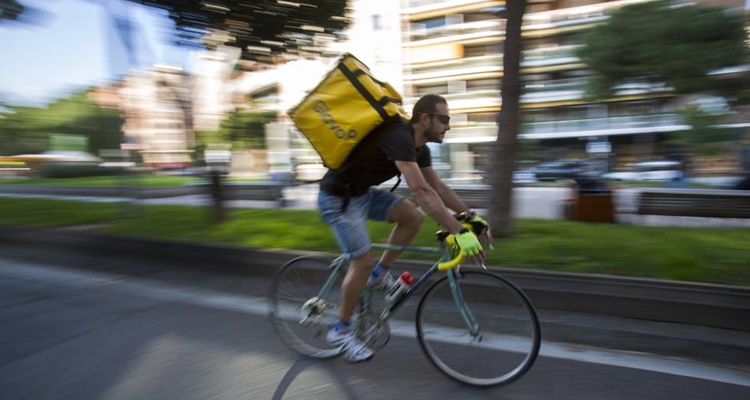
<point x="293" y="285"/>
<point x="511" y="334"/>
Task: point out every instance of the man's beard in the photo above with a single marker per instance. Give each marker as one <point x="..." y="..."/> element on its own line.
<point x="433" y="136"/>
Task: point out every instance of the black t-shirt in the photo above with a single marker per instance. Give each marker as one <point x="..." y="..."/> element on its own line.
<point x="372" y="161"/>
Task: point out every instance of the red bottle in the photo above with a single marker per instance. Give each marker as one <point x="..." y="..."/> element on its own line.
<point x="400" y="287"/>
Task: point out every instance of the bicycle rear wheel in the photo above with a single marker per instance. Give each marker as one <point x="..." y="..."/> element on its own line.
<point x="508" y="339"/>
<point x="300" y="318"/>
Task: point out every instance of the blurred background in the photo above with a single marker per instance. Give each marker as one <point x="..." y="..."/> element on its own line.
<point x="630" y="111"/>
<point x="95" y="87"/>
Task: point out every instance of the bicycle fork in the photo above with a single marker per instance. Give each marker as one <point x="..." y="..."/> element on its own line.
<point x="471" y="323"/>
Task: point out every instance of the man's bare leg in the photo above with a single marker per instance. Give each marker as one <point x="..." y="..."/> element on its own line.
<point x="354" y="282"/>
<point x="408" y="219"/>
<point x="354" y="349"/>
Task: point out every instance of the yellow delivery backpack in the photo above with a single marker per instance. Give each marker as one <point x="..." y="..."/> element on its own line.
<point x="346" y="106"/>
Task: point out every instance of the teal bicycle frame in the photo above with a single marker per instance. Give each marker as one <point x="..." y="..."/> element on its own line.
<point x="445" y="263"/>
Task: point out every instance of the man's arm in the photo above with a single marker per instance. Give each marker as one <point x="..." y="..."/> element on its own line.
<point x="427" y="197"/>
<point x="449" y="197"/>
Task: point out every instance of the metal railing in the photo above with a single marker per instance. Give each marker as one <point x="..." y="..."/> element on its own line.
<point x="603" y="124"/>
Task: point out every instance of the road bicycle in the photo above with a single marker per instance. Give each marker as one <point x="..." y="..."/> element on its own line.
<point x="473" y="325"/>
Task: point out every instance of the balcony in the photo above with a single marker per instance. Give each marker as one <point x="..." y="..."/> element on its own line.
<point x="431" y="3"/>
<point x="457" y="32"/>
<point x="539" y="22"/>
<point x="484" y="94"/>
<point x="491" y="63"/>
<point x="575" y="84"/>
<point x="604" y="126"/>
<point x="573" y="16"/>
<point x="474" y="133"/>
<point x="422" y="8"/>
<point x="455" y="67"/>
<point x="550" y="56"/>
<point x="487" y="132"/>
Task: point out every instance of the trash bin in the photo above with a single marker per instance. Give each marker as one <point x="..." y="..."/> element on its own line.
<point x="592" y="201"/>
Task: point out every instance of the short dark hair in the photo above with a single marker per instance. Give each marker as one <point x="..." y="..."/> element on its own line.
<point x="427" y="105"/>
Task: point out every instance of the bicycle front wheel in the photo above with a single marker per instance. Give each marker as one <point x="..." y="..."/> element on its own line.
<point x="299" y="314"/>
<point x="483" y="332"/>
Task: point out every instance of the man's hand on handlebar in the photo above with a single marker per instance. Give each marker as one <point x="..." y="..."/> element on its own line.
<point x="469" y="244"/>
<point x="479" y="226"/>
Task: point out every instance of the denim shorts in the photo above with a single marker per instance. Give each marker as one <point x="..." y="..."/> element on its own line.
<point x="350" y="226"/>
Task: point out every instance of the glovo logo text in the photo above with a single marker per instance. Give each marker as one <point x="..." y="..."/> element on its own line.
<point x="322" y="109"/>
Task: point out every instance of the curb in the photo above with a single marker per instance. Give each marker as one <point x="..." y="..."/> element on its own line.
<point x="695" y="304"/>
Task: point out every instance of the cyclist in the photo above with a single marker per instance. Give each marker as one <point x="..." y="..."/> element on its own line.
<point x="347" y="199"/>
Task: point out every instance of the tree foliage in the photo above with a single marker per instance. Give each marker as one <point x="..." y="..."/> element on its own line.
<point x="246" y="130"/>
<point x="659" y="43"/>
<point x="704" y="138"/>
<point x="29" y="129"/>
<point x="15" y="11"/>
<point x="10" y="9"/>
<point x="263" y="29"/>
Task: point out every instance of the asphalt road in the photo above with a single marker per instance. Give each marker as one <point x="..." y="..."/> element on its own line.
<point x="70" y="333"/>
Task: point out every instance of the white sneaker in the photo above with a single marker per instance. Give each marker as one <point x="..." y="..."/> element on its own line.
<point x="382" y="282"/>
<point x="354" y="350"/>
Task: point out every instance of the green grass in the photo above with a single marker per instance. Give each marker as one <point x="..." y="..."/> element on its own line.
<point x="716" y="255"/>
<point x="104" y="181"/>
<point x="52" y="213"/>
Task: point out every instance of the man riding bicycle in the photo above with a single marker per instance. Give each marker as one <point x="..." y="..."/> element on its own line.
<point x="347" y="199"/>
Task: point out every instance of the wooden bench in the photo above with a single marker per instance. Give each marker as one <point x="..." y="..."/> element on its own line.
<point x="264" y="191"/>
<point x="695" y="203"/>
<point x="261" y="191"/>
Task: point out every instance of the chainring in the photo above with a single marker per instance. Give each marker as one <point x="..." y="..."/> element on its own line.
<point x="374" y="331"/>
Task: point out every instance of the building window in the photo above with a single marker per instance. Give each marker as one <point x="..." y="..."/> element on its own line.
<point x="377" y="23"/>
<point x="439" y="89"/>
<point x="577" y="3"/>
<point x="479" y="16"/>
<point x="486" y="49"/>
<point x="432" y="22"/>
<point x="482" y="84"/>
<point x="475" y="118"/>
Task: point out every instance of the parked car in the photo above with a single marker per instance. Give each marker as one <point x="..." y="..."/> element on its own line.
<point x="659" y="171"/>
<point x="524" y="176"/>
<point x="560" y="169"/>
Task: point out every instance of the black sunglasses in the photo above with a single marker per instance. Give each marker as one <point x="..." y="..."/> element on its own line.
<point x="444" y="119"/>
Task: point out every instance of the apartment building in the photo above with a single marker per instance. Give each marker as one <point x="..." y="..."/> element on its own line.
<point x="158" y="116"/>
<point x="455" y="48"/>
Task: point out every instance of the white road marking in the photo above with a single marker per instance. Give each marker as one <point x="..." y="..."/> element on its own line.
<point x="259" y="306"/>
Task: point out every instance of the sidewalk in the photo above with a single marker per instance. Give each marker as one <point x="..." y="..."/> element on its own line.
<point x="304" y="197"/>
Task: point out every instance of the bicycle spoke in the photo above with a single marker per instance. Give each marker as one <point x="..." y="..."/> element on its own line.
<point x="483" y="332"/>
<point x="298" y="315"/>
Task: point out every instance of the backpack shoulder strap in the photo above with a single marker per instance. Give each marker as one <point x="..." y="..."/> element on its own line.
<point x="398" y="181"/>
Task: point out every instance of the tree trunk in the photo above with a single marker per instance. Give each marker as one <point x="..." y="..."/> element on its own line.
<point x="217" y="195"/>
<point x="506" y="146"/>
